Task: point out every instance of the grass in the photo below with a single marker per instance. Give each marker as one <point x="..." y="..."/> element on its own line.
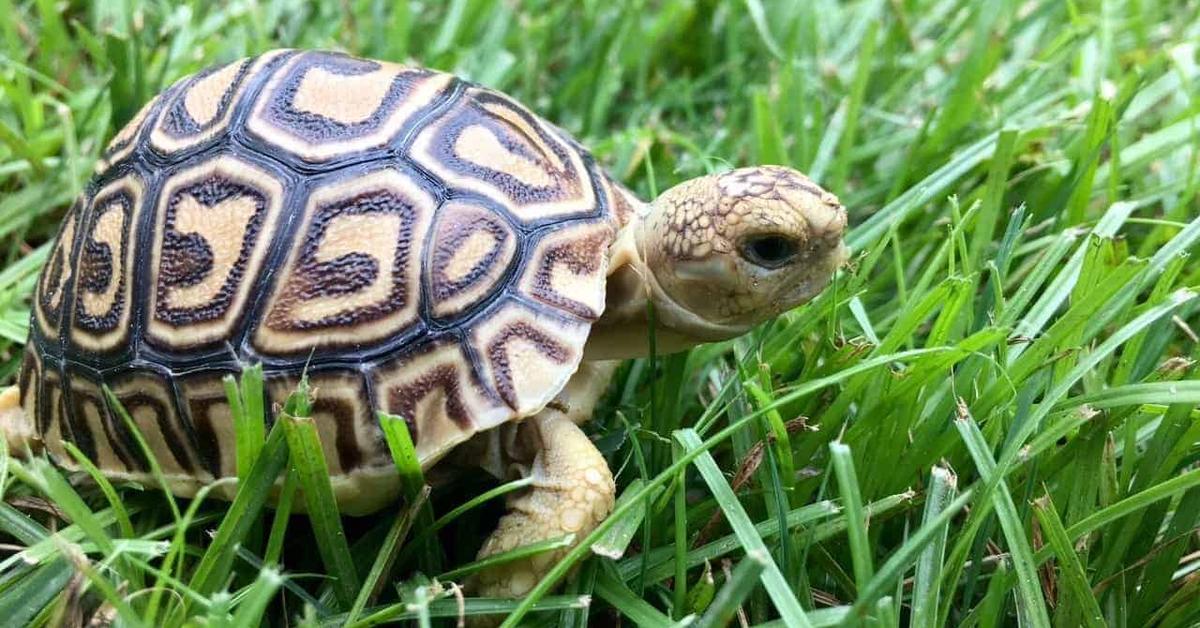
<point x="999" y="402"/>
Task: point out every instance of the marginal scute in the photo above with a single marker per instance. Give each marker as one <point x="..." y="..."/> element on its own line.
<point x="350" y="434"/>
<point x="353" y="275"/>
<point x="568" y="268"/>
<point x="57" y="276"/>
<point x="102" y="437"/>
<point x="52" y="424"/>
<point x="489" y="144"/>
<point x="440" y="396"/>
<point x="207" y="413"/>
<point x="149" y="400"/>
<point x="320" y="106"/>
<point x="623" y="203"/>
<point x="471" y="249"/>
<point x="104" y="268"/>
<point x="528" y="355"/>
<point x="214" y="225"/>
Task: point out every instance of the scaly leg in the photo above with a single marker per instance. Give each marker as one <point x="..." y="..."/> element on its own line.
<point x="572" y="490"/>
<point x="17" y="428"/>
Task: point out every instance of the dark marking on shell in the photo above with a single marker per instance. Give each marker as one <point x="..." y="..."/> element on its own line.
<point x="166" y="420"/>
<point x="403" y="400"/>
<point x="75" y="423"/>
<point x="344" y="414"/>
<point x="498" y="355"/>
<point x="566" y="182"/>
<point x="315" y="128"/>
<point x="187" y="259"/>
<point x="100" y="266"/>
<point x="453" y="230"/>
<point x="582" y="256"/>
<point x="178" y="123"/>
<point x="208" y="446"/>
<point x="348" y="273"/>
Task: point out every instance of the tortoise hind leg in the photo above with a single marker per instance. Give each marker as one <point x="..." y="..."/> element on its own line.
<point x="14" y="424"/>
<point x="572" y="492"/>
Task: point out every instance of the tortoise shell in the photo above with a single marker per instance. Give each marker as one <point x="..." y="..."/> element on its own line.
<point x="413" y="242"/>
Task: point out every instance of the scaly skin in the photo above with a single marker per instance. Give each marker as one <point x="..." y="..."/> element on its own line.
<point x="13" y="423"/>
<point x="572" y="492"/>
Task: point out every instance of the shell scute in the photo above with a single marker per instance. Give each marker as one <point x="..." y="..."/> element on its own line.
<point x="488" y="144"/>
<point x="351" y="438"/>
<point x="214" y="225"/>
<point x="150" y="401"/>
<point x="352" y="276"/>
<point x="103" y="278"/>
<point x="320" y="106"/>
<point x="54" y="282"/>
<point x="471" y="250"/>
<point x="439" y="393"/>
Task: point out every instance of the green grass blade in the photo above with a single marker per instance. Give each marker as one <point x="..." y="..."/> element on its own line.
<point x="26" y="598"/>
<point x="374" y="581"/>
<point x="614" y="543"/>
<point x="279" y="522"/>
<point x="1028" y="584"/>
<point x="148" y="454"/>
<point x="612" y="589"/>
<point x="404" y="453"/>
<point x="106" y="487"/>
<point x="253" y="605"/>
<point x="743" y="580"/>
<point x="471" y="607"/>
<point x="426" y="533"/>
<point x="926" y="593"/>
<point x="252" y="496"/>
<point x="1069" y="567"/>
<point x="773" y="580"/>
<point x="308" y="463"/>
<point x="246" y="408"/>
<point x="524" y="551"/>
<point x="47" y="479"/>
<point x="18" y="525"/>
<point x="895" y="566"/>
<point x="412" y="479"/>
<point x="848" y="489"/>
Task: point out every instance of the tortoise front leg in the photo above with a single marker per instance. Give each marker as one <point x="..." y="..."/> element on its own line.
<point x="17" y="427"/>
<point x="572" y="490"/>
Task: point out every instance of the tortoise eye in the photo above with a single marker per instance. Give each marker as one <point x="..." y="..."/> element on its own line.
<point x="769" y="251"/>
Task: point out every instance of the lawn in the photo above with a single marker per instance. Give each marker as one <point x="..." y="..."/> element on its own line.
<point x="991" y="418"/>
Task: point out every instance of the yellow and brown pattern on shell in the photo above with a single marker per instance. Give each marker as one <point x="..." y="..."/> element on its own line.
<point x="352" y="276"/>
<point x="320" y="107"/>
<point x="415" y="243"/>
<point x="54" y="284"/>
<point x="103" y="282"/>
<point x="489" y="144"/>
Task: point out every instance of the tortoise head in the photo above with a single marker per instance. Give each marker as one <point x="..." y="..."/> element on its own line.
<point x="730" y="250"/>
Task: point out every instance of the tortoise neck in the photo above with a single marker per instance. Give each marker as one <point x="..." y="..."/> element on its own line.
<point x="632" y="290"/>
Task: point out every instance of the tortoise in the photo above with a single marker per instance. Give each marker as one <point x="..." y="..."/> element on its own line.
<point x="410" y="241"/>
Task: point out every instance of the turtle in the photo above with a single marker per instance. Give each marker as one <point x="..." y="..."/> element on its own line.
<point x="409" y="242"/>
